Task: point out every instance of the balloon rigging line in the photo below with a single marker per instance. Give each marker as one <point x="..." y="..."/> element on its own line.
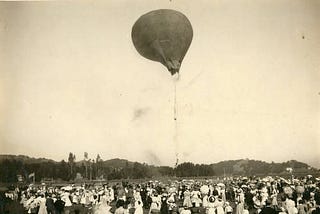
<point x="175" y="103"/>
<point x="164" y="36"/>
<point x="175" y="137"/>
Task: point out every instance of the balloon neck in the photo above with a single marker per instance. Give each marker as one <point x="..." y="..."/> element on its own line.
<point x="176" y="76"/>
<point x="173" y="66"/>
<point x="174" y="72"/>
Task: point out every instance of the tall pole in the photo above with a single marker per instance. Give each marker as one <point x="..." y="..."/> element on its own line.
<point x="86" y="162"/>
<point x="90" y="170"/>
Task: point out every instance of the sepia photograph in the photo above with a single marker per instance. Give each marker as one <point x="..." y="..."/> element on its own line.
<point x="160" y="107"/>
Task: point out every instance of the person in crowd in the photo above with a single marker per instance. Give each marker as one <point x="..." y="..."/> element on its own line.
<point x="228" y="209"/>
<point x="50" y="204"/>
<point x="138" y="207"/>
<point x="59" y="205"/>
<point x="231" y="196"/>
<point x="67" y="200"/>
<point x="42" y="204"/>
<point x="120" y="207"/>
<point x="187" y="198"/>
<point x="156" y="203"/>
<point x="268" y="209"/>
<point x="164" y="205"/>
<point x="239" y="201"/>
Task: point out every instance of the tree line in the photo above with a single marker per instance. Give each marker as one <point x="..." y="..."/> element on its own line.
<point x="95" y="168"/>
<point x="90" y="169"/>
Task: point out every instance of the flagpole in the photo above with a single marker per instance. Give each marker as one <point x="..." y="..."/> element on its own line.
<point x="34" y="177"/>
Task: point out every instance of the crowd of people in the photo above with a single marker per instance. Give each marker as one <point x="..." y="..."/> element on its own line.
<point x="241" y="195"/>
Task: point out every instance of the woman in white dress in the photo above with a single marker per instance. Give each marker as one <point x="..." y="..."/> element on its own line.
<point x="240" y="201"/>
<point x="42" y="207"/>
<point x="195" y="197"/>
<point x="187" y="198"/>
<point x="155" y="204"/>
<point x="103" y="207"/>
<point x="219" y="206"/>
<point x="211" y="209"/>
<point x="138" y="205"/>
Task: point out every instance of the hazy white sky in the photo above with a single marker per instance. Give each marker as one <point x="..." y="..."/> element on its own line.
<point x="71" y="81"/>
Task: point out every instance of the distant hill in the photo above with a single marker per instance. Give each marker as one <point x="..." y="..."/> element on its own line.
<point x="117" y="163"/>
<point x="228" y="166"/>
<point x="13" y="165"/>
<point x="256" y="167"/>
<point x="25" y="159"/>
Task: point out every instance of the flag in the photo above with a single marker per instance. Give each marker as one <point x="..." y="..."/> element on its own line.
<point x="31" y="175"/>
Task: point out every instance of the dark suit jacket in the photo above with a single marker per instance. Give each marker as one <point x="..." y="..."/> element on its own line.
<point x="268" y="210"/>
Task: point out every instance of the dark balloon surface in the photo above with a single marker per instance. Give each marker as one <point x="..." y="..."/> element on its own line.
<point x="164" y="36"/>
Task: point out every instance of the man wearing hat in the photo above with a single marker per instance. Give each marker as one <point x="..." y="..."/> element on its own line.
<point x="50" y="205"/>
<point x="317" y="200"/>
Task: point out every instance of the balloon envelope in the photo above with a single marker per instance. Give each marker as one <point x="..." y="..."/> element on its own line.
<point x="164" y="36"/>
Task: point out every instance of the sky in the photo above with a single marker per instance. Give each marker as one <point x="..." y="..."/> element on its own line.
<point x="72" y="81"/>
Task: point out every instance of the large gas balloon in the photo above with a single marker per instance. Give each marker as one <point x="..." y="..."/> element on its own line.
<point x="164" y="36"/>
